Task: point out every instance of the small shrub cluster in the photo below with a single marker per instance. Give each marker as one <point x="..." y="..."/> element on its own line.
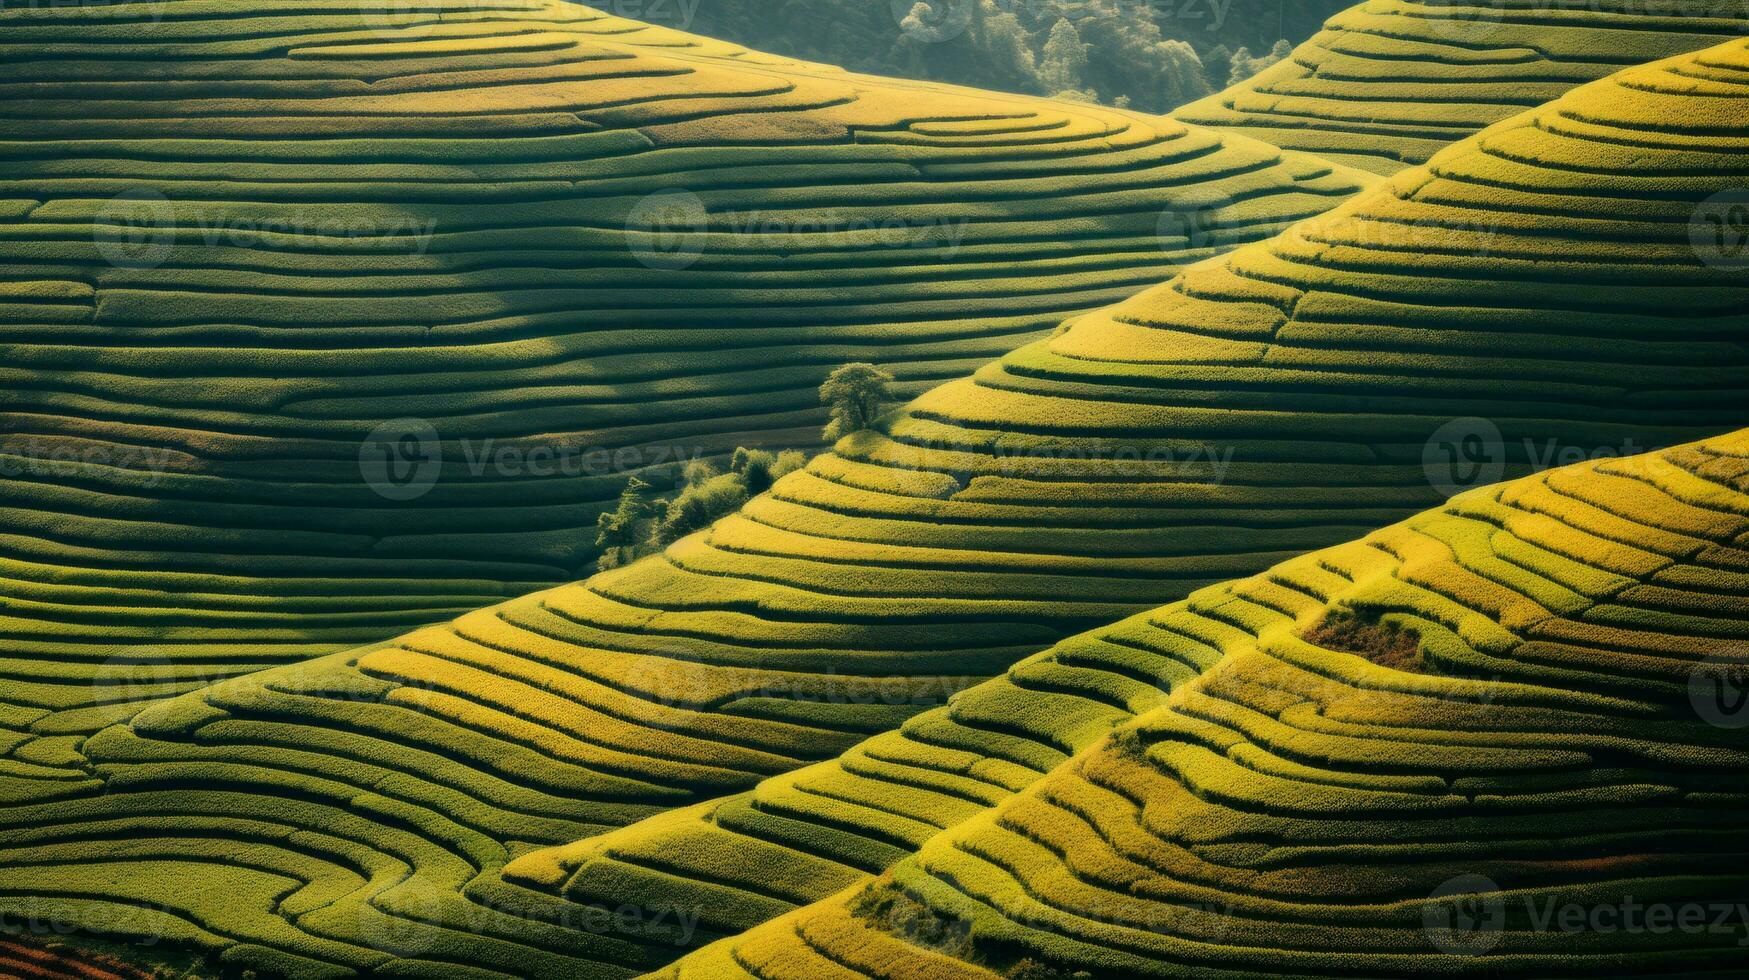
<point x="643" y="524"/>
<point x="1385" y="644"/>
<point x="1128" y="744"/>
<point x="888" y="907"/>
<point x="640" y="524"/>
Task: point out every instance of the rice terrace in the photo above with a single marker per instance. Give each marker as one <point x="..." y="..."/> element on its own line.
<point x="928" y="490"/>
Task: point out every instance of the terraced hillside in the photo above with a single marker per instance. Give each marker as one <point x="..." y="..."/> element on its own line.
<point x="324" y="324"/>
<point x="1388" y="83"/>
<point x="1408" y="753"/>
<point x="21" y="960"/>
<point x="1278" y="399"/>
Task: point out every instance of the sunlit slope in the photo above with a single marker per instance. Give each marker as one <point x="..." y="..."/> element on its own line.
<point x="366" y="802"/>
<point x="1300" y="809"/>
<point x="1388" y="83"/>
<point x="803" y="835"/>
<point x="235" y="239"/>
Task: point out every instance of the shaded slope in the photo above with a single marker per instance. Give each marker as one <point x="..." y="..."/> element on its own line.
<point x="236" y="241"/>
<point x="1388" y="83"/>
<point x="364" y="803"/>
<point x="26" y="960"/>
<point x="887" y="796"/>
<point x="1302" y="810"/>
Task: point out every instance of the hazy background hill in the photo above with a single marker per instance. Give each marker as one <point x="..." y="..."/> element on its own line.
<point x="1152" y="55"/>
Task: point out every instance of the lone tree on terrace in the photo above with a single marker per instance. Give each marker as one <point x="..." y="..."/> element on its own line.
<point x="621" y="532"/>
<point x="855" y="393"/>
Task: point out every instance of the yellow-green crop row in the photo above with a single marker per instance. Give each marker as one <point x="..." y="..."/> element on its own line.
<point x="1388" y="83"/>
<point x="391" y="810"/>
<point x="322" y="324"/>
<point x="1548" y="788"/>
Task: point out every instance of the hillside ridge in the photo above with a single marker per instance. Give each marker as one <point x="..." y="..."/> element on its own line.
<point x="1562" y="741"/>
<point x="328" y="323"/>
<point x="352" y="814"/>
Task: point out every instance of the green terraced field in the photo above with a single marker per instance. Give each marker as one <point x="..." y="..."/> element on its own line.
<point x="237" y="240"/>
<point x="450" y="803"/>
<point x="1388" y="83"/>
<point x="1299" y="809"/>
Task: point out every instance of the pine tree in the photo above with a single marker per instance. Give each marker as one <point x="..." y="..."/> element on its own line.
<point x="699" y="505"/>
<point x="1001" y="56"/>
<point x="621" y="532"/>
<point x="1245" y="64"/>
<point x="1179" y="73"/>
<point x="1240" y="63"/>
<point x="1064" y="67"/>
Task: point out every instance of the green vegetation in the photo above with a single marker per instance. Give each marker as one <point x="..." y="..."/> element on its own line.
<point x="641" y="524"/>
<point x="854" y="394"/>
<point x="1243" y="64"/>
<point x="1385" y="644"/>
<point x="706" y="495"/>
<point x="594" y="779"/>
<point x="943" y="511"/>
<point x="1388" y="83"/>
<point x="322" y="325"/>
<point x="1149" y="56"/>
<point x="623" y="533"/>
<point x="865" y="809"/>
<point x="1298" y="810"/>
<point x="1064" y="63"/>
